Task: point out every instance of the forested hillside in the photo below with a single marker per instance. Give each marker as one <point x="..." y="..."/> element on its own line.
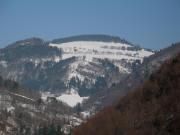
<point x="23" y="112"/>
<point x="152" y="108"/>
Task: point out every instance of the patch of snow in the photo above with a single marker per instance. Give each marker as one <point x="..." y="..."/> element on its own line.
<point x="24" y="43"/>
<point x="57" y="58"/>
<point x="37" y="61"/>
<point x="45" y="95"/>
<point x="73" y="71"/>
<point x="23" y="105"/>
<point x="121" y="68"/>
<point x="66" y="129"/>
<point x="10" y="109"/>
<point x="3" y="63"/>
<point x="22" y="96"/>
<point x="71" y="98"/>
<point x="144" y="53"/>
<point x="74" y="121"/>
<point x="85" y="114"/>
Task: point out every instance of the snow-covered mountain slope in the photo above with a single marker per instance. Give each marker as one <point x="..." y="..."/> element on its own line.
<point x="71" y="97"/>
<point x="87" y="64"/>
<point x="102" y="50"/>
<point x="90" y="53"/>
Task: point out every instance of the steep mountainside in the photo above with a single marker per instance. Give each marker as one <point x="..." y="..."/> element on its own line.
<point x="79" y="65"/>
<point x="152" y="108"/>
<point x="139" y="74"/>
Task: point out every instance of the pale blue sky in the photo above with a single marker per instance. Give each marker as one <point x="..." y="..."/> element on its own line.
<point x="153" y="24"/>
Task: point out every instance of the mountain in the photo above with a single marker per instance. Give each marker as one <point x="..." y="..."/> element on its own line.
<point x="77" y="66"/>
<point x="152" y="108"/>
<point x="139" y="74"/>
<point x="94" y="70"/>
